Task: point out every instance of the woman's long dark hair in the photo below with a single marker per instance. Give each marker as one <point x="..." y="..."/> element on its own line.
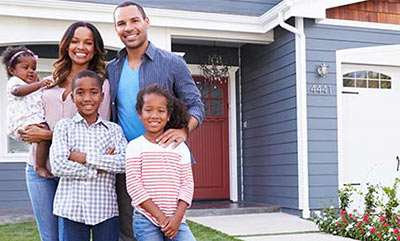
<point x="62" y="66"/>
<point x="179" y="116"/>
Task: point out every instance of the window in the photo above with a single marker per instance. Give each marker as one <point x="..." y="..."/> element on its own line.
<point x="9" y="146"/>
<point x="367" y="79"/>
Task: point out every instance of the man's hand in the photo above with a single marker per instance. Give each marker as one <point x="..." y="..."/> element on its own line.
<point x="79" y="157"/>
<point x="172" y="135"/>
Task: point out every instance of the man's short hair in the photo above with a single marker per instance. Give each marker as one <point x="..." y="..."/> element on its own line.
<point x="90" y="74"/>
<point x="129" y="3"/>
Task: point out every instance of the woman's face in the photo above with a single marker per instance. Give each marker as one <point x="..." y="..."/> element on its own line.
<point x="81" y="47"/>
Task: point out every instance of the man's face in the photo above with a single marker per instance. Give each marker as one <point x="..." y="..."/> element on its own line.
<point x="131" y="26"/>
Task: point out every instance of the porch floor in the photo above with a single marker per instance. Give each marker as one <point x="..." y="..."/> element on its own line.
<point x="219" y="208"/>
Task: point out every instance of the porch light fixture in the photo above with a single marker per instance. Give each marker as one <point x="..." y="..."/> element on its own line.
<point x="215" y="70"/>
<point x="323" y="70"/>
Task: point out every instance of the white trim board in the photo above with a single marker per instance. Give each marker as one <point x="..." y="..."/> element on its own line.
<point x="388" y="55"/>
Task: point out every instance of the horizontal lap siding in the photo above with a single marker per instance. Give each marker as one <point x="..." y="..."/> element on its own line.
<point x="269" y="109"/>
<point x="13" y="191"/>
<point x="321" y="45"/>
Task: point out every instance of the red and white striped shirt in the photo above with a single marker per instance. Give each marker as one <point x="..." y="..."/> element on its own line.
<point x="163" y="175"/>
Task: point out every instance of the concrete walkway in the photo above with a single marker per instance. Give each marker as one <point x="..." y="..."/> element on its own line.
<point x="267" y="227"/>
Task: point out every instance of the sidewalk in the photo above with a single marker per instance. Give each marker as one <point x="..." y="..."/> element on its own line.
<point x="267" y="227"/>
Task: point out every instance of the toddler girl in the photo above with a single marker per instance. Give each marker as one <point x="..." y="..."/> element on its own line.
<point x="159" y="179"/>
<point x="25" y="99"/>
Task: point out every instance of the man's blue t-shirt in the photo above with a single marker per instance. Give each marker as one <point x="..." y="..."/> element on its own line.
<point x="128" y="89"/>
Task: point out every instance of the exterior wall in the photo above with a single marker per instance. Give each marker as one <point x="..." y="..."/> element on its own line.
<point x="383" y="11"/>
<point x="322" y="42"/>
<point x="241" y="7"/>
<point x="13" y="191"/>
<point x="269" y="138"/>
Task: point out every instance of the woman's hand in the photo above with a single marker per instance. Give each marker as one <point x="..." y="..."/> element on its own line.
<point x="35" y="133"/>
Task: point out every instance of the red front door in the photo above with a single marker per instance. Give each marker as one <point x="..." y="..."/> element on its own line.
<point x="210" y="143"/>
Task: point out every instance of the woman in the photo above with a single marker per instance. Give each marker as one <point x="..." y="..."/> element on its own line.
<point x="81" y="48"/>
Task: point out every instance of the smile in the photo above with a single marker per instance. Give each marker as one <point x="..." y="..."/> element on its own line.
<point x="81" y="54"/>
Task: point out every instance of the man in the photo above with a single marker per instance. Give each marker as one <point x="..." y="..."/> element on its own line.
<point x="136" y="66"/>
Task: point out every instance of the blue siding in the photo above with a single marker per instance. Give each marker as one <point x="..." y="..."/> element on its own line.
<point x="13" y="191"/>
<point x="322" y="43"/>
<point x="240" y="7"/>
<point x="269" y="109"/>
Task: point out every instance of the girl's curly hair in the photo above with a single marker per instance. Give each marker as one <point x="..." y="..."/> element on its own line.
<point x="179" y="116"/>
<point x="9" y="53"/>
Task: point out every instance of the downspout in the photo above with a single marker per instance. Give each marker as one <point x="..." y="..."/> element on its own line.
<point x="301" y="104"/>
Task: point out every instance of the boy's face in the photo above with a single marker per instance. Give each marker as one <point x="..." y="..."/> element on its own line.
<point x="154" y="114"/>
<point x="87" y="97"/>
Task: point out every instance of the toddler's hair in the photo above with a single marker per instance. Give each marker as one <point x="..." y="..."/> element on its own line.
<point x="90" y="74"/>
<point x="179" y="116"/>
<point x="12" y="54"/>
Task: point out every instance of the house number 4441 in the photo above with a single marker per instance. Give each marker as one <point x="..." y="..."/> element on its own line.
<point x="320" y="89"/>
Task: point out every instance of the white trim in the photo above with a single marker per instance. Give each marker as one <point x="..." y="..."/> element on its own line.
<point x="387" y="55"/>
<point x="358" y="24"/>
<point x="95" y="12"/>
<point x="233" y="179"/>
<point x="301" y="103"/>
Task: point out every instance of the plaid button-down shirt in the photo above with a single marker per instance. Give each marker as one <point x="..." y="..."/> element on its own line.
<point x="83" y="195"/>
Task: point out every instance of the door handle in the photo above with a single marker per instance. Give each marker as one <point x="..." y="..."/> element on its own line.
<point x="398" y="162"/>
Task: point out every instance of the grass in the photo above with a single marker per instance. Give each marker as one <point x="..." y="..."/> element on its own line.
<point x="28" y="232"/>
<point x="19" y="232"/>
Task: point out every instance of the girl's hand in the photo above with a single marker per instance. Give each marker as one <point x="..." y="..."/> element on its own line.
<point x="172" y="228"/>
<point x="172" y="135"/>
<point x="34" y="133"/>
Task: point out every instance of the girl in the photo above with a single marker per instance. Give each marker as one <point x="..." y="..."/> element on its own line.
<point x="81" y="48"/>
<point x="159" y="179"/>
<point x="24" y="94"/>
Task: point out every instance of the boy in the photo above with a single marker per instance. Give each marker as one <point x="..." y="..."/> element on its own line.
<point x="86" y="153"/>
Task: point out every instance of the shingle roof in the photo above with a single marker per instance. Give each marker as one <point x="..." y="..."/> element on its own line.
<point x="239" y="7"/>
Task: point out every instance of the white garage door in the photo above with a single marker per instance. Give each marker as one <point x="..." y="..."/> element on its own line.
<point x="371" y="124"/>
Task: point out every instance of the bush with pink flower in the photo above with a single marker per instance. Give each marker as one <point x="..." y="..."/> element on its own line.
<point x="380" y="219"/>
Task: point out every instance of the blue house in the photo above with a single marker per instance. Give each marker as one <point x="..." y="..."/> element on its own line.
<point x="309" y="105"/>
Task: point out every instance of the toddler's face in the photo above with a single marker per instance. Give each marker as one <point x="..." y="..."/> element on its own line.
<point x="154" y="115"/>
<point x="25" y="69"/>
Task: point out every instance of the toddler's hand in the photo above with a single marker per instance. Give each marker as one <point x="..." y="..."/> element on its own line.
<point x="46" y="83"/>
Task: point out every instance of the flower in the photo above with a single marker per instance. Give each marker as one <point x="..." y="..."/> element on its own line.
<point x="342" y="212"/>
<point x="396" y="230"/>
<point x="373" y="230"/>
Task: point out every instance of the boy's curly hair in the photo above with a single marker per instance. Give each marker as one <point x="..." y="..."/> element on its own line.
<point x="9" y="53"/>
<point x="179" y="116"/>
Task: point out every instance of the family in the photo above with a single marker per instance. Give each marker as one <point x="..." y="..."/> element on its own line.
<point x="108" y="159"/>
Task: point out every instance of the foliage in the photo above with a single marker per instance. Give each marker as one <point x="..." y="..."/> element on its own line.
<point x="372" y="225"/>
<point x="344" y="196"/>
<point x="370" y="199"/>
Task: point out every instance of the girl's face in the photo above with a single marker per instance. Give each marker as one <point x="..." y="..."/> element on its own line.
<point x="81" y="47"/>
<point x="154" y="114"/>
<point x="25" y="69"/>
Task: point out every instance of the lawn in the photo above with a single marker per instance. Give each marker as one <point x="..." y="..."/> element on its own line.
<point x="27" y="232"/>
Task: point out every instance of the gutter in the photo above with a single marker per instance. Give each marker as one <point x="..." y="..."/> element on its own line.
<point x="301" y="103"/>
